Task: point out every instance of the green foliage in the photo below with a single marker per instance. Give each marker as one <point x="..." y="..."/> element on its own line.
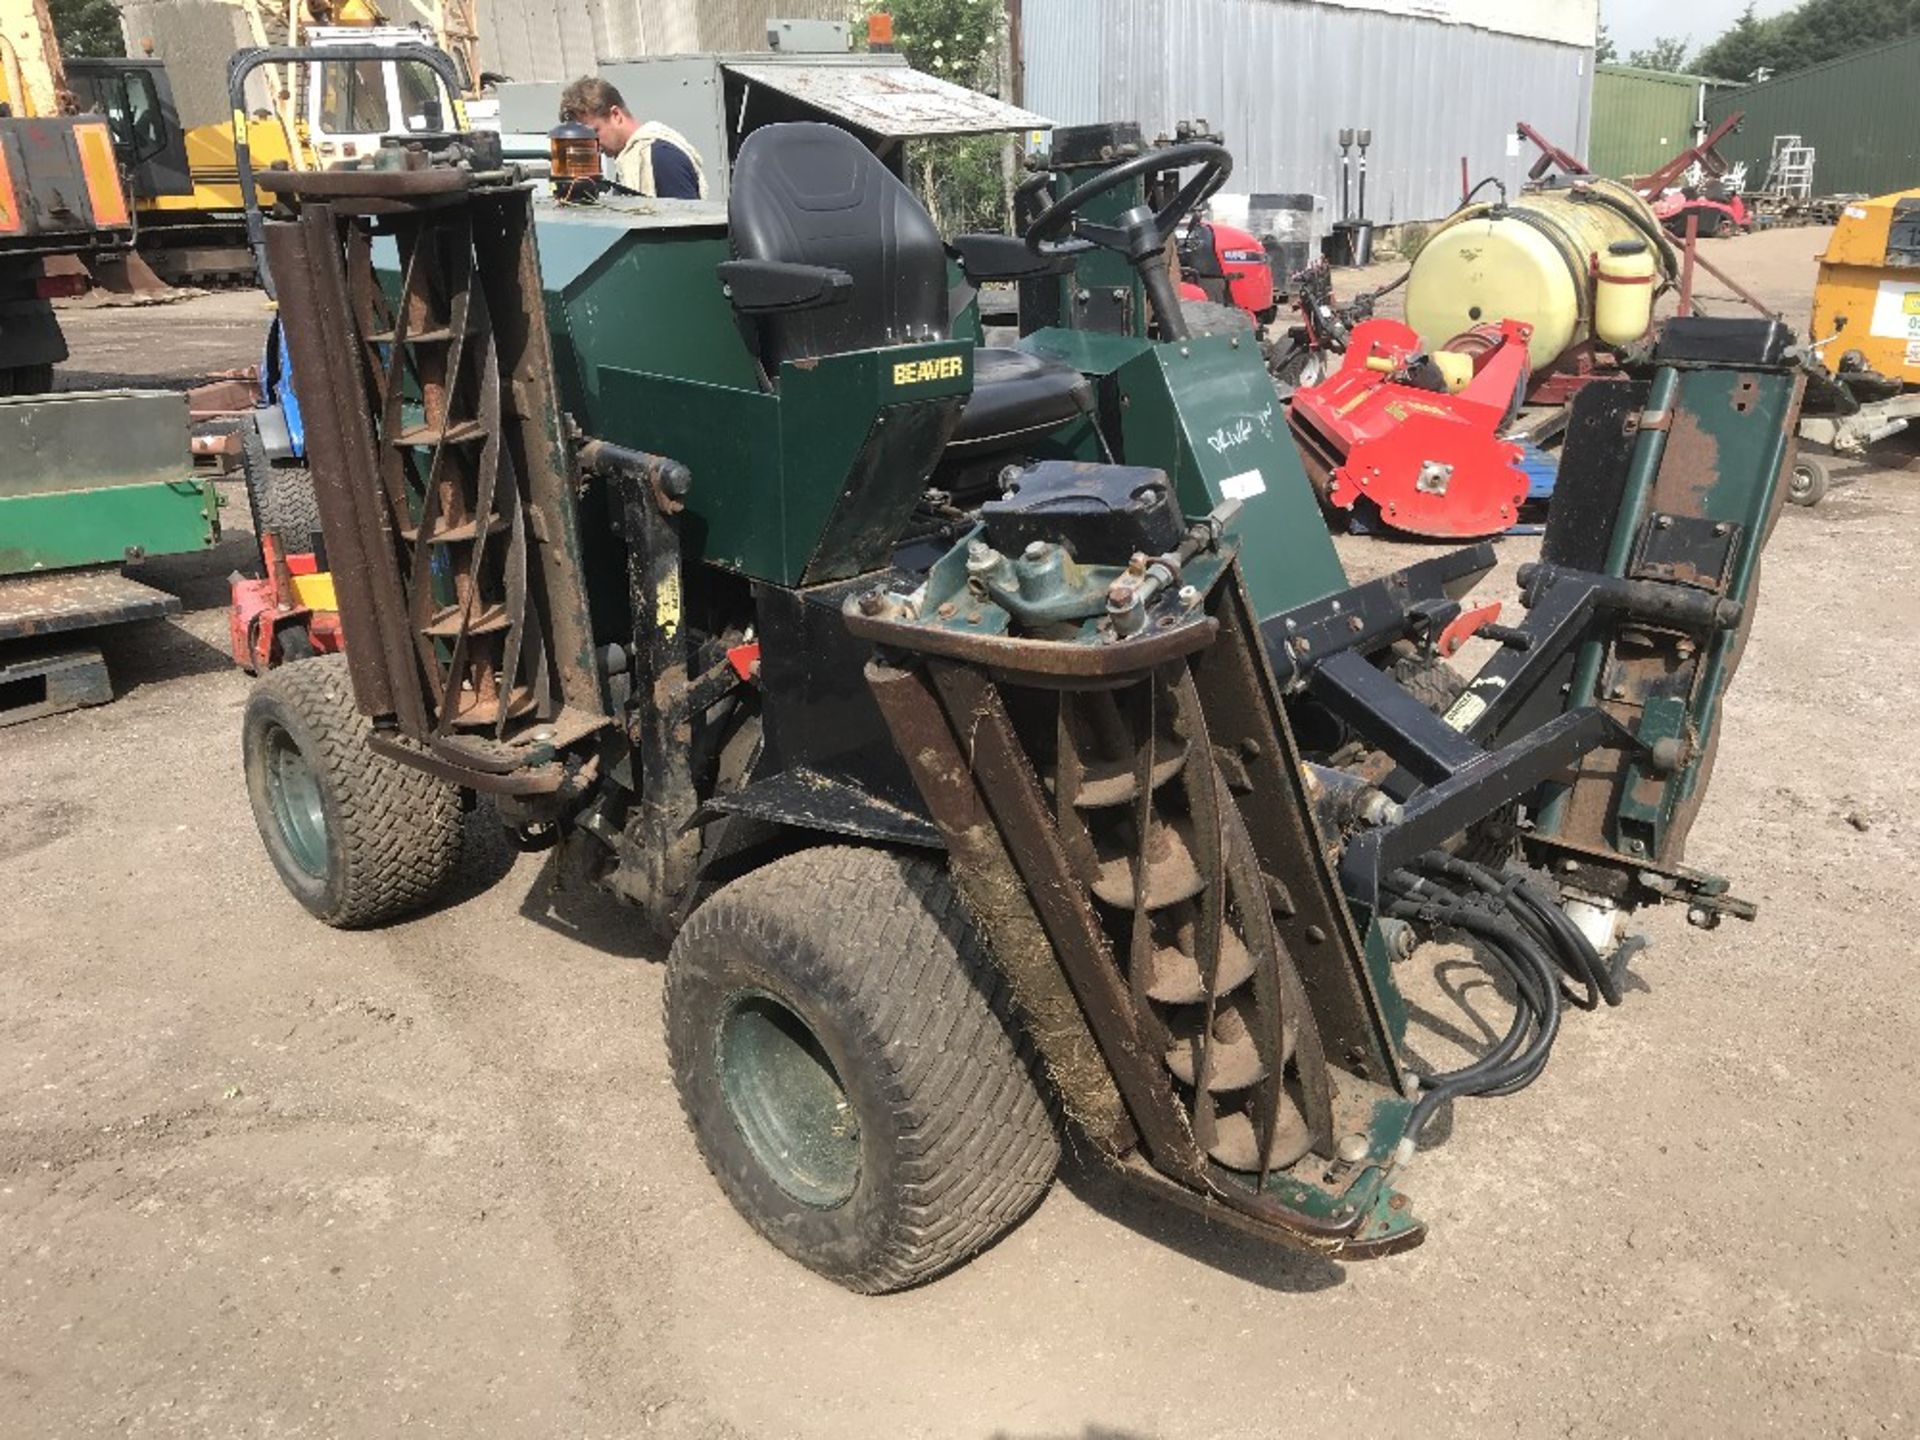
<point x="958" y="40"/>
<point x="966" y="182"/>
<point x="1741" y="53"/>
<point x="1604" y="51"/>
<point x="963" y="182"/>
<point x="1666" y="53"/>
<point x="1816" y="31"/>
<point x="87" y="27"/>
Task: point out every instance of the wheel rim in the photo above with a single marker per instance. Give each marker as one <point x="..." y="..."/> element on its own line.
<point x="1801" y="482"/>
<point x="293" y="791"/>
<point x="788" y="1102"/>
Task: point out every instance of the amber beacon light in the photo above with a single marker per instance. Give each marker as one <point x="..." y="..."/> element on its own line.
<point x="573" y="153"/>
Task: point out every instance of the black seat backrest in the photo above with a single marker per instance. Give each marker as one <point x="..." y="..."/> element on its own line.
<point x="811" y="194"/>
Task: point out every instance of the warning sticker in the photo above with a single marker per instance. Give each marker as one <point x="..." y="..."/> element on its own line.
<point x="1244" y="486"/>
<point x="1896" y="310"/>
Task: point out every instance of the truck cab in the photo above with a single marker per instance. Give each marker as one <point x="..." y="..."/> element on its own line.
<point x="351" y="106"/>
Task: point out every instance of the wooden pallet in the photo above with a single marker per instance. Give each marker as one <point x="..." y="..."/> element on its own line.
<point x="41" y="675"/>
<point x="51" y="680"/>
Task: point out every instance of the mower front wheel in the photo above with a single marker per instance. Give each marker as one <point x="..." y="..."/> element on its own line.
<point x="847" y="1058"/>
<point x="358" y="838"/>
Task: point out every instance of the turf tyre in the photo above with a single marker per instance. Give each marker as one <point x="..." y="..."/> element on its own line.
<point x="873" y="952"/>
<point x="1430" y="680"/>
<point x="281" y="495"/>
<point x="388" y="834"/>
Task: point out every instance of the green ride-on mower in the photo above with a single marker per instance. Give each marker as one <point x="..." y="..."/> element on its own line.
<point x="992" y="729"/>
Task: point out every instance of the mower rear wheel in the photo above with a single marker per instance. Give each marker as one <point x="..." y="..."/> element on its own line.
<point x="847" y="1057"/>
<point x="359" y="839"/>
<point x="1810" y="481"/>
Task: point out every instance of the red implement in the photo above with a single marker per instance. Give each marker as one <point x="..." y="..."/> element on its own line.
<point x="270" y="620"/>
<point x="1385" y="429"/>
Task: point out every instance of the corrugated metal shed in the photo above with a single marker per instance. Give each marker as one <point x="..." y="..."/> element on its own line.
<point x="1642" y="118"/>
<point x="1858" y="112"/>
<point x="559" y="39"/>
<point x="1280" y="78"/>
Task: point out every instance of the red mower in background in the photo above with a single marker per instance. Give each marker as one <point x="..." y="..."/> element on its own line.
<point x="1718" y="207"/>
<point x="1412" y="438"/>
<point x="1228" y="266"/>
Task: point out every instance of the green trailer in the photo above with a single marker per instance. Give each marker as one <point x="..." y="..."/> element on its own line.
<point x="89" y="482"/>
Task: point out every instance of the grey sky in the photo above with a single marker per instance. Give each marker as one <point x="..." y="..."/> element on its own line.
<point x="1636" y="23"/>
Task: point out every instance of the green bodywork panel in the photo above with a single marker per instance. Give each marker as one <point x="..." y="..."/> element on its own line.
<point x="1103" y="293"/>
<point x="963" y="323"/>
<point x="1721" y="460"/>
<point x="666" y="276"/>
<point x="652" y="356"/>
<point x="1204" y="410"/>
<point x="793" y="485"/>
<point x="810" y="483"/>
<point x="106" y="525"/>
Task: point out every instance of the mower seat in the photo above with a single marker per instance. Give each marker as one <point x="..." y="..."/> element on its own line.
<point x="1017" y="395"/>
<point x="807" y="194"/>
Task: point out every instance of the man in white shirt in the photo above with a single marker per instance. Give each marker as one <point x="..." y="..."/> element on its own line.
<point x="648" y="158"/>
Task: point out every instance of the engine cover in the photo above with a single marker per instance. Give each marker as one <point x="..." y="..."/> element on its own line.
<point x="1102" y="514"/>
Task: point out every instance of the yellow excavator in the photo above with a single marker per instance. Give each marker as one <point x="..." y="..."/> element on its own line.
<point x="61" y="199"/>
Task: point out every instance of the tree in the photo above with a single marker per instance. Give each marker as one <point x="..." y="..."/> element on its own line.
<point x="1666" y="53"/>
<point x="966" y="183"/>
<point x="1749" y="46"/>
<point x="1815" y="31"/>
<point x="87" y="27"/>
<point x="958" y="40"/>
<point x="1604" y="52"/>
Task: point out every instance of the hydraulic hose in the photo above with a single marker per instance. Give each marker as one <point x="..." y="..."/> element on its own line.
<point x="1493" y="180"/>
<point x="1530" y="939"/>
<point x="1547" y="923"/>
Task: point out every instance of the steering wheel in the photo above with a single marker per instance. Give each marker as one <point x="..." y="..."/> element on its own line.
<point x="1141" y="234"/>
<point x="1140" y="231"/>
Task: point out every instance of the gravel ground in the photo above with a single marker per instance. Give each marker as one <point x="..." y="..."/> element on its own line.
<point x="260" y="1178"/>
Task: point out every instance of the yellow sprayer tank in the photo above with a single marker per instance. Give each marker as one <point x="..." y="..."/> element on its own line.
<point x="1535" y="259"/>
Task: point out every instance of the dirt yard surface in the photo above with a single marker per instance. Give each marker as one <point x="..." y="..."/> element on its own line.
<point x="260" y="1178"/>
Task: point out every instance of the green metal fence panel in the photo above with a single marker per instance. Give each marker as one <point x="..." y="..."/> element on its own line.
<point x="1858" y="112"/>
<point x="1641" y="119"/>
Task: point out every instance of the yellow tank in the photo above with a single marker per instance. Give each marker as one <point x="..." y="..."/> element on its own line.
<point x="1624" y="282"/>
<point x="1533" y="260"/>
